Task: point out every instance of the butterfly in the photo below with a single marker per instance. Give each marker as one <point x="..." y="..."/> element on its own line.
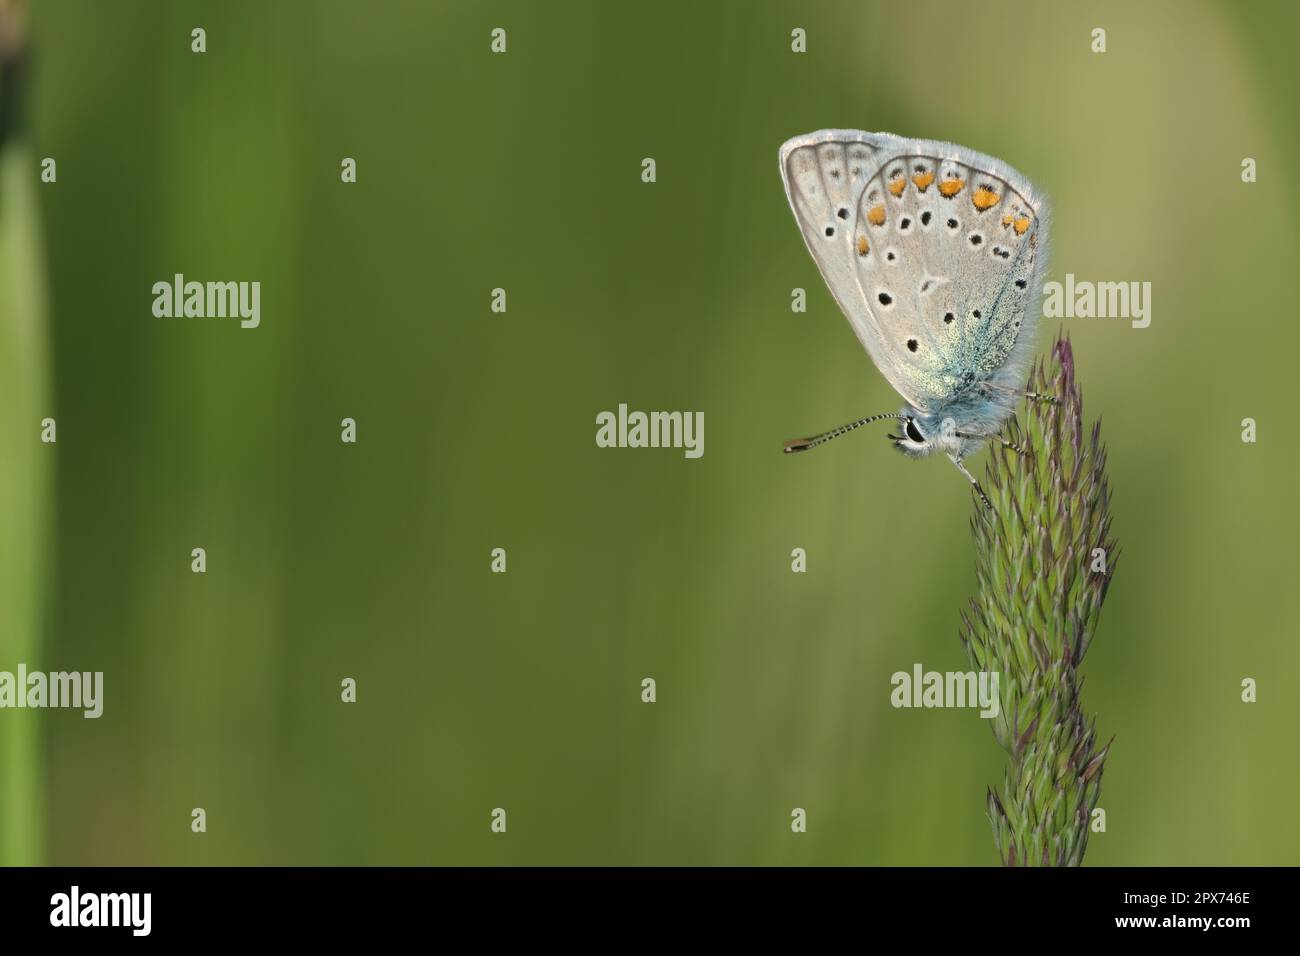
<point x="935" y="254"/>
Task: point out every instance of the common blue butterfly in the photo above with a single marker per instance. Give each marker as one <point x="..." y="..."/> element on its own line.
<point x="936" y="254"/>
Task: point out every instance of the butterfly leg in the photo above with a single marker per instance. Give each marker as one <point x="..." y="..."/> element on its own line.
<point x="1032" y="396"/>
<point x="1000" y="440"/>
<point x="1040" y="397"/>
<point x="971" y="478"/>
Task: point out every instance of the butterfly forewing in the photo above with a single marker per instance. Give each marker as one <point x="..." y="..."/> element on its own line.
<point x="824" y="175"/>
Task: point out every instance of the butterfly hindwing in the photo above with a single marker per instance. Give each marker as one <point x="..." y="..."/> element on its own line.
<point x="944" y="251"/>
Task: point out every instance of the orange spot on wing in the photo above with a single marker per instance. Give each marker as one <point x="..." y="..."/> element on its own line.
<point x="862" y="245"/>
<point x="951" y="187"/>
<point x="876" y="215"/>
<point x="984" y="198"/>
<point x="896" y="186"/>
<point x="1006" y="220"/>
<point x="923" y="181"/>
<point x="1021" y="225"/>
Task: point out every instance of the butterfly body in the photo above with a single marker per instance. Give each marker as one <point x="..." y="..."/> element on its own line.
<point x="934" y="253"/>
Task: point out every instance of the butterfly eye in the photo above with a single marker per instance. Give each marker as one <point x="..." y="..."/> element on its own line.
<point x="913" y="433"/>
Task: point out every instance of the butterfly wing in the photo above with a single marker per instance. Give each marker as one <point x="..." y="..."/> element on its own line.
<point x="947" y="250"/>
<point x="956" y="253"/>
<point x="825" y="174"/>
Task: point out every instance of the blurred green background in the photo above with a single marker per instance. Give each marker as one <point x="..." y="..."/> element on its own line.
<point x="476" y="431"/>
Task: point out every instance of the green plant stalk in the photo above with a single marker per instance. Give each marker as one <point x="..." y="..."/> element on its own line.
<point x="24" y="460"/>
<point x="1034" y="615"/>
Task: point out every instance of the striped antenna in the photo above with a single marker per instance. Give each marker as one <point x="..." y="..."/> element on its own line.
<point x="803" y="444"/>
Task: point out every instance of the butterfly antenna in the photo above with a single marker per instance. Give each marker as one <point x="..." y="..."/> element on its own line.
<point x="803" y="444"/>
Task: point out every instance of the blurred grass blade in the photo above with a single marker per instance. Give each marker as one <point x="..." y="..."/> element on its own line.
<point x="24" y="472"/>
